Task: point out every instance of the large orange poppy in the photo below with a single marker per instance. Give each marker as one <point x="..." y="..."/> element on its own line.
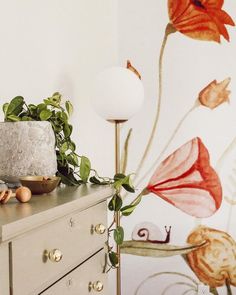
<point x="200" y="19"/>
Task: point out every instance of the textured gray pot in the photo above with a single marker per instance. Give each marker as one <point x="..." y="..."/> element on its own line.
<point x="26" y="148"/>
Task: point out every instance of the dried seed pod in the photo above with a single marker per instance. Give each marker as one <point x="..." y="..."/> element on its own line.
<point x="23" y="194"/>
<point x="5" y="196"/>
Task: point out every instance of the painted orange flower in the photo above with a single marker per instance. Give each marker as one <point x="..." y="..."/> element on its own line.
<point x="215" y="263"/>
<point x="200" y="19"/>
<point x="215" y="94"/>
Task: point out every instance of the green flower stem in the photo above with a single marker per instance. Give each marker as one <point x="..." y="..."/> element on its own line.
<point x="169" y="29"/>
<point x="195" y="283"/>
<point x="167" y="145"/>
<point x="230" y="200"/>
<point x="124" y="157"/>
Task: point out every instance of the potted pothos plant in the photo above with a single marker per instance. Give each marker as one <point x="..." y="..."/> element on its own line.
<point x="74" y="169"/>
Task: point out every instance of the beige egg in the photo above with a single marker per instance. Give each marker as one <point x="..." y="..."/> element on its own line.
<point x="23" y="194"/>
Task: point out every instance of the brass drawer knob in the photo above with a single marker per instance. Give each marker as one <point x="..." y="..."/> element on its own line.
<point x="96" y="286"/>
<point x="100" y="229"/>
<point x="55" y="255"/>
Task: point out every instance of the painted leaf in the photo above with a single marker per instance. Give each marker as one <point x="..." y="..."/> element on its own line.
<point x="146" y="249"/>
<point x="186" y="180"/>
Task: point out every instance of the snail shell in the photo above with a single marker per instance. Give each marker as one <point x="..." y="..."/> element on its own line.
<point x="146" y="231"/>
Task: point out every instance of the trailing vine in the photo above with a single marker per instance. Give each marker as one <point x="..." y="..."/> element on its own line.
<point x="73" y="168"/>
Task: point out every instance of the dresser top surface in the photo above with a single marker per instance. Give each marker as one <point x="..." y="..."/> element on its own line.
<point x="17" y="218"/>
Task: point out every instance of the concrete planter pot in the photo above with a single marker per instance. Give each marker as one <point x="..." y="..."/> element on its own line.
<point x="26" y="148"/>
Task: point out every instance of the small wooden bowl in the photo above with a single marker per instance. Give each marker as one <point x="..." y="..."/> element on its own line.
<point x="40" y="184"/>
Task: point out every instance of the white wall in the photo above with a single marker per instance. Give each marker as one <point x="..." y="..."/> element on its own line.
<point x="189" y="65"/>
<point x="59" y="45"/>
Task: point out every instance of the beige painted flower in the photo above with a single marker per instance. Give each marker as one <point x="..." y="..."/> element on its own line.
<point x="215" y="263"/>
<point x="215" y="94"/>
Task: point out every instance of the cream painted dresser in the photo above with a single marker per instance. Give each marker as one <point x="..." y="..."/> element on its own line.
<point x="53" y="245"/>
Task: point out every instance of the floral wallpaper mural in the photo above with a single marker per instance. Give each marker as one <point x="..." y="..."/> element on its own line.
<point x="182" y="240"/>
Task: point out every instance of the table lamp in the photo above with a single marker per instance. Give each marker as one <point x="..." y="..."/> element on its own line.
<point x="118" y="95"/>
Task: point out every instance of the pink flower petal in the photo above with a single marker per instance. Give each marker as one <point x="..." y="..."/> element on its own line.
<point x="186" y="180"/>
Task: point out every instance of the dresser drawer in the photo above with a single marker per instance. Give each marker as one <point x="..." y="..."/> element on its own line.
<point x="4" y="269"/>
<point x="74" y="237"/>
<point x="83" y="280"/>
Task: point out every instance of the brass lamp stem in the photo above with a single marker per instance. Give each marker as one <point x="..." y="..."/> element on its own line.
<point x="117" y="214"/>
<point x="117" y="146"/>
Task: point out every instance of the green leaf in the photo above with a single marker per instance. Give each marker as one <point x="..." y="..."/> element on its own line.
<point x="57" y="129"/>
<point x="72" y="159"/>
<point x="94" y="180"/>
<point x="127" y="184"/>
<point x="119" y="176"/>
<point x="113" y="259"/>
<point x="68" y="179"/>
<point x="128" y="188"/>
<point x="85" y="167"/>
<point x="32" y="112"/>
<point x="32" y="106"/>
<point x="40" y="107"/>
<point x="50" y="102"/>
<point x="69" y="107"/>
<point x="64" y="147"/>
<point x="56" y="97"/>
<point x="13" y="118"/>
<point x="5" y="107"/>
<point x="119" y="235"/>
<point x="67" y="130"/>
<point x="71" y="146"/>
<point x="67" y="174"/>
<point x="15" y="107"/>
<point x="26" y="118"/>
<point x="127" y="210"/>
<point x="123" y="181"/>
<point x="118" y="184"/>
<point x="45" y="115"/>
<point x="115" y="203"/>
<point x="63" y="116"/>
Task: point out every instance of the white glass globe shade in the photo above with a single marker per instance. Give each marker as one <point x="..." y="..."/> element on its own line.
<point x="118" y="94"/>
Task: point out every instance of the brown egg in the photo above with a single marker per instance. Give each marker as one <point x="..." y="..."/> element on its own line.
<point x="23" y="194"/>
